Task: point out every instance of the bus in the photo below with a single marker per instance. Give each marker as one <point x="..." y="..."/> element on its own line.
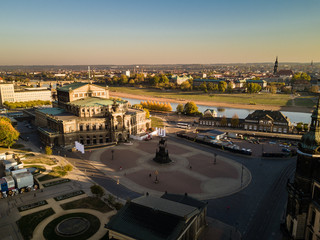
<point x="184" y="125"/>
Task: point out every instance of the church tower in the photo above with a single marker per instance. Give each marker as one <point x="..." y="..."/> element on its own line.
<point x="303" y="209"/>
<point x="275" y="68"/>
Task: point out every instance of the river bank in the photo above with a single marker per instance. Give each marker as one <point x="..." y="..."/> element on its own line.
<point x="216" y="104"/>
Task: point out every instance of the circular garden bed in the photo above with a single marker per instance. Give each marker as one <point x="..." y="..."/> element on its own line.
<point x="73" y="226"/>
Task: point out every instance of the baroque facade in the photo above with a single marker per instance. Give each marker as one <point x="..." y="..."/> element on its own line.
<point x="303" y="207"/>
<point x="84" y="113"/>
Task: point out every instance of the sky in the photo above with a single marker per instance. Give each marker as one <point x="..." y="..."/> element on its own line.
<point x="78" y="32"/>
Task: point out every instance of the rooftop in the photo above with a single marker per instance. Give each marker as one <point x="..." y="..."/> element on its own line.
<point x="71" y="86"/>
<point x="166" y="206"/>
<point x="94" y="101"/>
<point x="154" y="218"/>
<point x="51" y="111"/>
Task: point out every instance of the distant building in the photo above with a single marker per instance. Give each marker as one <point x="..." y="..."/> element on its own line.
<point x="198" y="82"/>
<point x="60" y="74"/>
<point x="170" y="217"/>
<point x="9" y="94"/>
<point x="285" y="73"/>
<point x="262" y="83"/>
<point x="303" y="208"/>
<point x="127" y="73"/>
<point x="180" y="79"/>
<point x="259" y="120"/>
<point x="267" y="121"/>
<point x="275" y="68"/>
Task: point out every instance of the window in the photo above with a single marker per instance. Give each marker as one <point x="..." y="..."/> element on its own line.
<point x="94" y="127"/>
<point x="88" y="127"/>
<point x="100" y="127"/>
<point x="81" y="128"/>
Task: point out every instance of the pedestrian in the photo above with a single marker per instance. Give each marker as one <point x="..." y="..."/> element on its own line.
<point x="120" y="168"/>
<point x="149" y="175"/>
<point x="34" y="194"/>
<point x="190" y="167"/>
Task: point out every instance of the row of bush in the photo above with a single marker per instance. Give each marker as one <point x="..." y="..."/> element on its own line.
<point x="14" y="105"/>
<point x="156" y="106"/>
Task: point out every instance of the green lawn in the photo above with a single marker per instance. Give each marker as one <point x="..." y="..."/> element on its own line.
<point x="29" y="222"/>
<point x="156" y="122"/>
<point x="238" y="98"/>
<point x="37" y="159"/>
<point x="88" y="202"/>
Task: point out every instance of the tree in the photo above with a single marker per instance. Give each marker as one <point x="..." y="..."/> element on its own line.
<point x="8" y="134"/>
<point x="235" y="120"/>
<point x="203" y="87"/>
<point x="97" y="190"/>
<point x="229" y="87"/>
<point x="253" y="88"/>
<point x="185" y="86"/>
<point x="299" y="126"/>
<point x="210" y="86"/>
<point x="48" y="150"/>
<point x="222" y="86"/>
<point x="273" y="89"/>
<point x="223" y="121"/>
<point x="190" y="108"/>
<point x="123" y="79"/>
<point x="179" y="108"/>
<point x="147" y="113"/>
<point x="301" y="76"/>
<point x="68" y="167"/>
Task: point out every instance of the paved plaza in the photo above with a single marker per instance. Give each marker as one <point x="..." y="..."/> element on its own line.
<point x="192" y="171"/>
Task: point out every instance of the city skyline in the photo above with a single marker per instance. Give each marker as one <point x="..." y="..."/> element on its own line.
<point x="142" y="32"/>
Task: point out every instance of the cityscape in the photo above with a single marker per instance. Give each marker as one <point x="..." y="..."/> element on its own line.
<point x="145" y="120"/>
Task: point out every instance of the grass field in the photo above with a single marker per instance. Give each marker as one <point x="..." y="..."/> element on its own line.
<point x="156" y="122"/>
<point x="88" y="202"/>
<point x="37" y="159"/>
<point x="239" y="98"/>
<point x="56" y="172"/>
<point x="29" y="222"/>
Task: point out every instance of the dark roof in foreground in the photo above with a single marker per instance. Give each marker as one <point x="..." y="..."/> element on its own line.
<point x="153" y="218"/>
<point x="184" y="199"/>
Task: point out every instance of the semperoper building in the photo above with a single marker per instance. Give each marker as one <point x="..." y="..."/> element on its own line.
<point x="85" y="113"/>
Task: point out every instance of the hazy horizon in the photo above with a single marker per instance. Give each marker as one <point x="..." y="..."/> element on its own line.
<point x="168" y="32"/>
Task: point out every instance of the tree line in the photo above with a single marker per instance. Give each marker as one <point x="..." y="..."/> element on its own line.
<point x="28" y="104"/>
